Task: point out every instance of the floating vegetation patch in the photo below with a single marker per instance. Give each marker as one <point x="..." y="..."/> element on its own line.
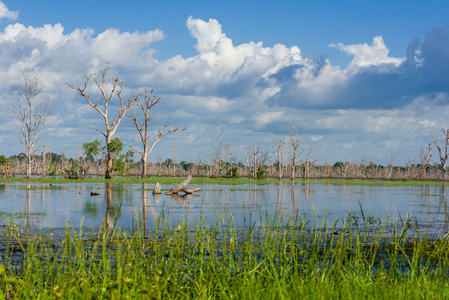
<point x="248" y="190"/>
<point x="44" y="187"/>
<point x="423" y="195"/>
<point x="21" y="214"/>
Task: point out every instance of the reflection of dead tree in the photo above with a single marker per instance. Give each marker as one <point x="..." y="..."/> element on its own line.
<point x="443" y="151"/>
<point x="182" y="199"/>
<point x="109" y="206"/>
<point x="142" y="127"/>
<point x="182" y="187"/>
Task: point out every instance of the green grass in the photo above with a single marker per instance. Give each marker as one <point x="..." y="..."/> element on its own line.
<point x="149" y="180"/>
<point x="224" y="181"/>
<point x="195" y="260"/>
<point x="20" y="214"/>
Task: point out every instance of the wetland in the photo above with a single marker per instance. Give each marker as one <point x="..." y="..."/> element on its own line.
<point x="308" y="239"/>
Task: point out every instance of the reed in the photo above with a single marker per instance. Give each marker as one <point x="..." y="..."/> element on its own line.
<point x="191" y="259"/>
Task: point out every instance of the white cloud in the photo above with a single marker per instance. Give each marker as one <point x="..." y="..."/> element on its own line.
<point x="262" y="119"/>
<point x="5" y="13"/>
<point x="316" y="138"/>
<point x="223" y="85"/>
<point x="369" y="55"/>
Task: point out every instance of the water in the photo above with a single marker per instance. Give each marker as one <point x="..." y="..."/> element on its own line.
<point x="41" y="206"/>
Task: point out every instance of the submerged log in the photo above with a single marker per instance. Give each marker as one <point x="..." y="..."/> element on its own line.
<point x="182" y="187"/>
<point x="157" y="188"/>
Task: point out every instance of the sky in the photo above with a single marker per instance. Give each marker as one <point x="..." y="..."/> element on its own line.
<point x="364" y="79"/>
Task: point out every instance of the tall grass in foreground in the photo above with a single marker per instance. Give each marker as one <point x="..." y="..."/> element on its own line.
<point x="194" y="260"/>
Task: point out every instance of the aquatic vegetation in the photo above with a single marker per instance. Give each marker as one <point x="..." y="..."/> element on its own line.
<point x="248" y="190"/>
<point x="193" y="260"/>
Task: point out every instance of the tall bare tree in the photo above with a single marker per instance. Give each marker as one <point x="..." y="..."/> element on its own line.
<point x="110" y="88"/>
<point x="295" y="142"/>
<point x="143" y="126"/>
<point x="31" y="109"/>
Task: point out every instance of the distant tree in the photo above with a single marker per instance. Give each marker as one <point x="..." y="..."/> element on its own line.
<point x="31" y="110"/>
<point x="143" y="126"/>
<point x="256" y="159"/>
<point x="425" y="158"/>
<point x="295" y="142"/>
<point x="6" y="165"/>
<point x="279" y="154"/>
<point x="110" y="88"/>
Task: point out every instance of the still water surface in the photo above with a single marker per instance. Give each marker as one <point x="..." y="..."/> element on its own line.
<point x="40" y="206"/>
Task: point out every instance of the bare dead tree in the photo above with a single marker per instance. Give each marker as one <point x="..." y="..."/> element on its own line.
<point x="295" y="142"/>
<point x="362" y="165"/>
<point x="219" y="156"/>
<point x="390" y="164"/>
<point x="252" y="159"/>
<point x="443" y="151"/>
<point x="279" y="155"/>
<point x="255" y="158"/>
<point x="425" y="158"/>
<point x="110" y="88"/>
<point x="309" y="162"/>
<point x="143" y="126"/>
<point x="230" y="153"/>
<point x="31" y="110"/>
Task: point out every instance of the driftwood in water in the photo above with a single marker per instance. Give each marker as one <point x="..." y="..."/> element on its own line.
<point x="157" y="188"/>
<point x="182" y="187"/>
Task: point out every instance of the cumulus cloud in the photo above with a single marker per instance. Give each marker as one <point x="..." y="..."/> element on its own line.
<point x="369" y="55"/>
<point x="5" y="13"/>
<point x="372" y="80"/>
<point x="250" y="86"/>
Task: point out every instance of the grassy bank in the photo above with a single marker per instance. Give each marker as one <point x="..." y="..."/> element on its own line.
<point x="193" y="260"/>
<point x="149" y="180"/>
<point x="223" y="181"/>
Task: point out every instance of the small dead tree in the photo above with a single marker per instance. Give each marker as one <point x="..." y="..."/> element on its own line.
<point x="143" y="127"/>
<point x="252" y="158"/>
<point x="443" y="151"/>
<point x="256" y="159"/>
<point x="110" y="88"/>
<point x="308" y="162"/>
<point x="425" y="158"/>
<point x="390" y="165"/>
<point x="31" y="110"/>
<point x="219" y="160"/>
<point x="279" y="155"/>
<point x="295" y="142"/>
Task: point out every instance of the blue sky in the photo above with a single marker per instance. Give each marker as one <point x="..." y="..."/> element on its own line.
<point x="362" y="77"/>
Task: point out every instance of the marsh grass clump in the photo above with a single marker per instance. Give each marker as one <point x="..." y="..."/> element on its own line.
<point x="192" y="259"/>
